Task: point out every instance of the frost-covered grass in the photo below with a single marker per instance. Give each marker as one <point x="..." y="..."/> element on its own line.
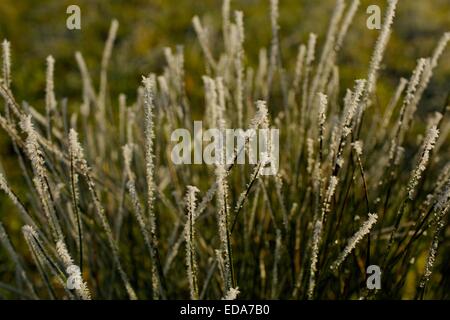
<point x="356" y="186"/>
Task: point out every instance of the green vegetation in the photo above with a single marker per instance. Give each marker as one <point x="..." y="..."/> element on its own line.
<point x="87" y="180"/>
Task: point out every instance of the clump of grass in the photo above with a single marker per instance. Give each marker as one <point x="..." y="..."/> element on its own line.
<point x="344" y="158"/>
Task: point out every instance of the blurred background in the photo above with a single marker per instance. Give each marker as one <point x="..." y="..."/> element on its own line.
<point x="38" y="29"/>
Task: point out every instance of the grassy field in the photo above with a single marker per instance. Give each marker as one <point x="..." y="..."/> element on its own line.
<point x="89" y="191"/>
